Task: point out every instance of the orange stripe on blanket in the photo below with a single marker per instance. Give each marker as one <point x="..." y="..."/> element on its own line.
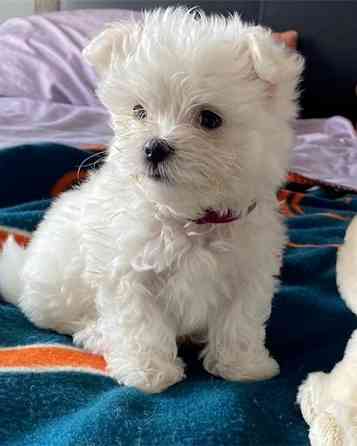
<point x="310" y="245"/>
<point x="295" y="202"/>
<point x="334" y="216"/>
<point x="50" y="358"/>
<point x="67" y="181"/>
<point x="283" y="199"/>
<point x="22" y="238"/>
<point x="94" y="147"/>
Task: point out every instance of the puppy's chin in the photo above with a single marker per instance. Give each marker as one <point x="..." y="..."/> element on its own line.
<point x="183" y="199"/>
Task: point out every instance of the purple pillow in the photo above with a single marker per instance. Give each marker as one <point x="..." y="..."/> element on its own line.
<point x="41" y="55"/>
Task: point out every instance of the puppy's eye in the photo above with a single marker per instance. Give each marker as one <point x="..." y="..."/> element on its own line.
<point x="139" y="112"/>
<point x="209" y="120"/>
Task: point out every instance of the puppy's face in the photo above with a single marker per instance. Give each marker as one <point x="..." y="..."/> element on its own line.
<point x="199" y="107"/>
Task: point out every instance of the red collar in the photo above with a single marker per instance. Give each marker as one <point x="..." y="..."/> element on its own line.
<point x="226" y="216"/>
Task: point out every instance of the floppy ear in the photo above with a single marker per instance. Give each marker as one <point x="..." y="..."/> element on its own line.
<point x="272" y="60"/>
<point x="113" y="44"/>
<point x="289" y="38"/>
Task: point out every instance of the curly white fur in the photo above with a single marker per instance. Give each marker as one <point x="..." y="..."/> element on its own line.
<point x="119" y="263"/>
<point x="329" y="400"/>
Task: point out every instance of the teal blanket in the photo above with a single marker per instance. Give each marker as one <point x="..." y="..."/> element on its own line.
<point x="53" y="394"/>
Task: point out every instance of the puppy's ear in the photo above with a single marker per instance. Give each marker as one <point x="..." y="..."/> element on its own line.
<point x="272" y="60"/>
<point x="289" y="38"/>
<point x="113" y="44"/>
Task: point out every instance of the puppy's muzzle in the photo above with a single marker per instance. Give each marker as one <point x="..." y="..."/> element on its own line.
<point x="157" y="150"/>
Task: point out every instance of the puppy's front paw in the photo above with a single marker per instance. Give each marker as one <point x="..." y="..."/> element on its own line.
<point x="331" y="423"/>
<point x="325" y="430"/>
<point x="151" y="377"/>
<point x="265" y="368"/>
<point x="312" y="396"/>
<point x="89" y="338"/>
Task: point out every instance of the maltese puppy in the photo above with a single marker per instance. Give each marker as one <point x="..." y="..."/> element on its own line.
<point x="178" y="234"/>
<point x="328" y="401"/>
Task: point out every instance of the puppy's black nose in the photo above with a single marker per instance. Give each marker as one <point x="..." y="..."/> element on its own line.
<point x="157" y="150"/>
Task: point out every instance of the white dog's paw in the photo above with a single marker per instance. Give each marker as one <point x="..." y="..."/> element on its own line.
<point x="326" y="431"/>
<point x="89" y="338"/>
<point x="332" y="423"/>
<point x="154" y="377"/>
<point x="312" y="396"/>
<point x="265" y="368"/>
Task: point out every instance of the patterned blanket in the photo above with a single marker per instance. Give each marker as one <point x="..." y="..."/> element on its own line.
<point x="52" y="393"/>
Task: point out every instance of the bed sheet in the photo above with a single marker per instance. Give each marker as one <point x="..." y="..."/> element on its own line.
<point x="326" y="150"/>
<point x="47" y="91"/>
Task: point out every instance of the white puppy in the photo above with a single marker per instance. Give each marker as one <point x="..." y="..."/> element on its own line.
<point x="178" y="234"/>
<point x="328" y="401"/>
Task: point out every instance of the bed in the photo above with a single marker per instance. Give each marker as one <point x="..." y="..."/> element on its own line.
<point x="52" y="393"/>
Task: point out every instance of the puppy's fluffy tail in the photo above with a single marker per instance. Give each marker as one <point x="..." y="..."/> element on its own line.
<point x="12" y="260"/>
<point x="346" y="267"/>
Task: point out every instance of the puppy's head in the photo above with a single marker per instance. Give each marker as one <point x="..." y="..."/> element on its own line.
<point x="201" y="106"/>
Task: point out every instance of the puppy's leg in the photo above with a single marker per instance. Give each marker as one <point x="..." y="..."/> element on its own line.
<point x="328" y="401"/>
<point x="54" y="294"/>
<point x="55" y="297"/>
<point x="235" y="349"/>
<point x="335" y="426"/>
<point x="313" y="395"/>
<point x="139" y="340"/>
<point x="236" y="333"/>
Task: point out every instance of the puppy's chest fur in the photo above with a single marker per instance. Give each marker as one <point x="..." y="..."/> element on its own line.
<point x="189" y="270"/>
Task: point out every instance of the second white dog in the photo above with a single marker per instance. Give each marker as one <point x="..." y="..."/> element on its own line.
<point x="178" y="233"/>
